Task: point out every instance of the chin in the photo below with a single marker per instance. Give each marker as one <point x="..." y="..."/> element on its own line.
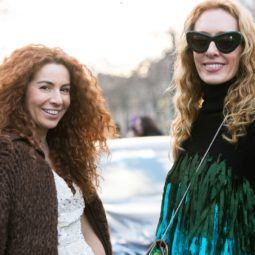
<point x="214" y="80"/>
<point x="50" y="126"/>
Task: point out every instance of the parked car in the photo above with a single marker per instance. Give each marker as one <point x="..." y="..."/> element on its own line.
<point x="131" y="190"/>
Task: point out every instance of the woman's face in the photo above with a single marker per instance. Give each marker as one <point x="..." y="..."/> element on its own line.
<point x="48" y="96"/>
<point x="213" y="66"/>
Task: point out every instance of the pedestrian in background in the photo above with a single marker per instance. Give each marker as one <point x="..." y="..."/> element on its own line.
<point x="144" y="126"/>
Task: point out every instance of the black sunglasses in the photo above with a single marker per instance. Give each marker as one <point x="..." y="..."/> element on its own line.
<point x="225" y="42"/>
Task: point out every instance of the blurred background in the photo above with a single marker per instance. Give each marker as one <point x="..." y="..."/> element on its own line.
<point x="128" y="44"/>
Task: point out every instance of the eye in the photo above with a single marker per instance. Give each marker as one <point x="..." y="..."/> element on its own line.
<point x="65" y="90"/>
<point x="44" y="87"/>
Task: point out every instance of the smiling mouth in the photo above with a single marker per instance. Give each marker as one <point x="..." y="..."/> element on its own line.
<point x="52" y="112"/>
<point x="213" y="66"/>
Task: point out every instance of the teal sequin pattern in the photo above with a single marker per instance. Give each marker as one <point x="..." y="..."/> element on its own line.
<point x="218" y="214"/>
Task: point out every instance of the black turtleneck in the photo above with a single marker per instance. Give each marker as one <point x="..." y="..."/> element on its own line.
<point x="239" y="157"/>
<point x="214" y="95"/>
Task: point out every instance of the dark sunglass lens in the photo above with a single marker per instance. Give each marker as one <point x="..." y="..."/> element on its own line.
<point x="228" y="42"/>
<point x="197" y="42"/>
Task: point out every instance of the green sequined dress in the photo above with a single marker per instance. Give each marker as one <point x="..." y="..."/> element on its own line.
<point x="218" y="214"/>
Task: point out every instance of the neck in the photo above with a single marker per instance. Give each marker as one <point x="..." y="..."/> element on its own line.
<point x="214" y="95"/>
<point x="41" y="135"/>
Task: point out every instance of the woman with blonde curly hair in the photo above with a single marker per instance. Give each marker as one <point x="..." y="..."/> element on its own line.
<point x="208" y="204"/>
<point x="53" y="118"/>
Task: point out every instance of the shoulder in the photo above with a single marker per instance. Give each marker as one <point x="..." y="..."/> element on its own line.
<point x="13" y="149"/>
<point x="246" y="142"/>
<point x="9" y="142"/>
<point x="6" y="147"/>
<point x="7" y="160"/>
<point x="251" y="132"/>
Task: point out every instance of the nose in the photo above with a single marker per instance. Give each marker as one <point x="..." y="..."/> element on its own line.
<point x="56" y="97"/>
<point x="212" y="50"/>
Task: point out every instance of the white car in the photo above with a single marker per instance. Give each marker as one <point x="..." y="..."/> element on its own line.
<point x="133" y="180"/>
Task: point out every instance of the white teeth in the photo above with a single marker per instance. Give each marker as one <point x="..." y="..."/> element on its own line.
<point x="212" y="67"/>
<point x="52" y="112"/>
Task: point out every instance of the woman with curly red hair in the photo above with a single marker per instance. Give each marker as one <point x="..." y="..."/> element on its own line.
<point x="53" y="123"/>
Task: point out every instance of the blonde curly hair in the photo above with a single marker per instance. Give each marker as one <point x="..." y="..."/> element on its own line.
<point x="239" y="104"/>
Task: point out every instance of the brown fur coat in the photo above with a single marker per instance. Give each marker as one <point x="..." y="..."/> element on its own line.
<point x="28" y="203"/>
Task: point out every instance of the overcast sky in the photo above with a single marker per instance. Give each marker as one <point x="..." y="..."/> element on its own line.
<point x="108" y="35"/>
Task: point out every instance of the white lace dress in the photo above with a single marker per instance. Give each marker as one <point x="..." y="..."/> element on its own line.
<point x="70" y="210"/>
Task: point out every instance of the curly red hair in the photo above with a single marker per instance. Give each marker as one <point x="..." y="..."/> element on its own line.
<point x="84" y="127"/>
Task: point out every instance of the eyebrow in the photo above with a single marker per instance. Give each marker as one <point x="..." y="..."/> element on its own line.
<point x="219" y="32"/>
<point x="48" y="82"/>
<point x="51" y="83"/>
